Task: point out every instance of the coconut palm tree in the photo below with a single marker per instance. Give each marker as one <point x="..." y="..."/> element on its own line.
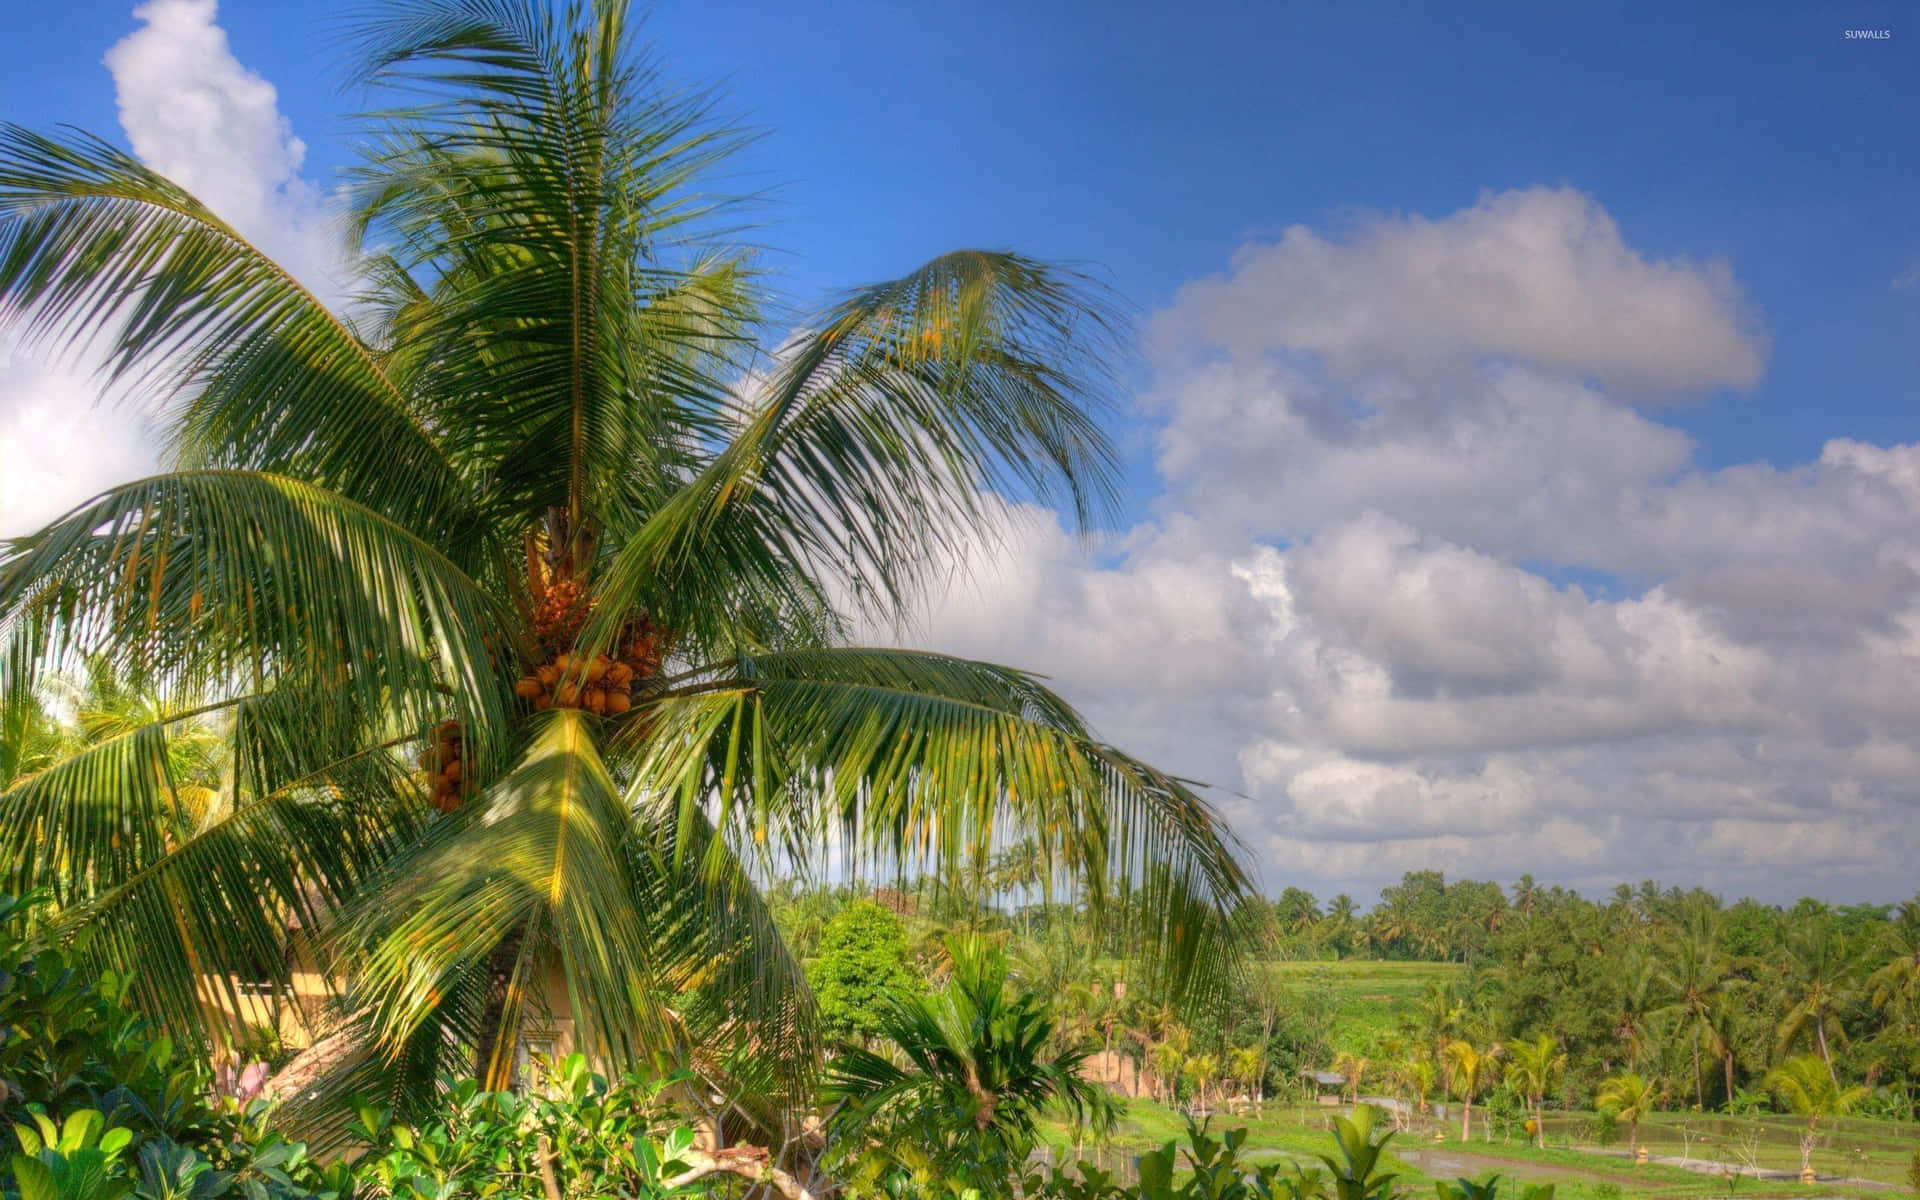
<point x="1897" y="980"/>
<point x="1805" y="1084"/>
<point x="525" y="590"/>
<point x="1535" y="1066"/>
<point x="1692" y="971"/>
<point x="1352" y="1069"/>
<point x="972" y="1077"/>
<point x="1248" y="1065"/>
<point x="1628" y="1097"/>
<point x="1819" y="980"/>
<point x="1469" y="1071"/>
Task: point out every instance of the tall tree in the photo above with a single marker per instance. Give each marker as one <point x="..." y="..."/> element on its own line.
<point x="1819" y="979"/>
<point x="1534" y="1066"/>
<point x="1628" y="1097"/>
<point x="524" y="592"/>
<point x="1692" y="971"/>
<point x="1469" y="1072"/>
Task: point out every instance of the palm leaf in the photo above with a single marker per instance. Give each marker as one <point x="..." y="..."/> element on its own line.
<point x="904" y="760"/>
<point x="96" y="247"/>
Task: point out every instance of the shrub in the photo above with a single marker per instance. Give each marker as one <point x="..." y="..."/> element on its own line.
<point x="96" y="1105"/>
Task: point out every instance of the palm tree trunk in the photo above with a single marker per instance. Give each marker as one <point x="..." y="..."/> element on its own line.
<point x="1466" y="1120"/>
<point x="1728" y="1059"/>
<point x="1699" y="1100"/>
<point x="1820" y="1039"/>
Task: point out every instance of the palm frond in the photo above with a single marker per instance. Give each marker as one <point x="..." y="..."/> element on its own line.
<point x="869" y="455"/>
<point x="538" y="863"/>
<point x="904" y="760"/>
<point x="216" y="580"/>
<point x="97" y="248"/>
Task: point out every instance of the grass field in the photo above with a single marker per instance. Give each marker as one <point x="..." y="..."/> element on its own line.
<point x="1855" y="1157"/>
<point x="1367" y="997"/>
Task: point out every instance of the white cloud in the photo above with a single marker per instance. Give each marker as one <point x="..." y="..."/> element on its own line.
<point x="1540" y="276"/>
<point x="196" y="114"/>
<point x="192" y="111"/>
<point x="1340" y="615"/>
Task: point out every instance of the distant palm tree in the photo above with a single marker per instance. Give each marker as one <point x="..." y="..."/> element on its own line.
<point x="1640" y="984"/>
<point x="527" y="591"/>
<point x="1628" y="1097"/>
<point x="1535" y="1066"/>
<point x="1692" y="971"/>
<point x="1806" y="1085"/>
<point x="1203" y="1069"/>
<point x="1249" y="1067"/>
<point x="1469" y="1072"/>
<point x="1818" y="981"/>
<point x="1898" y="980"/>
<point x="1418" y="1073"/>
<point x="1352" y="1069"/>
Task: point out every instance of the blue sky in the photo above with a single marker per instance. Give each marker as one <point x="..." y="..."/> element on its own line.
<point x="1154" y="145"/>
<point x="1521" y="449"/>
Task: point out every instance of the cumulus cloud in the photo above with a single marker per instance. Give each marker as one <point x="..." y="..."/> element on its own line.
<point x="1391" y="463"/>
<point x="1539" y="275"/>
<point x="192" y="111"/>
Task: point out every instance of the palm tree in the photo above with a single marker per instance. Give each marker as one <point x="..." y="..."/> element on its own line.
<point x="1168" y="1056"/>
<point x="1468" y="1072"/>
<point x="524" y="594"/>
<point x="1351" y="1068"/>
<point x="1640" y="983"/>
<point x="1628" y="1097"/>
<point x="1248" y="1065"/>
<point x="1806" y="1085"/>
<point x="1418" y="1073"/>
<point x="1203" y="1069"/>
<point x="1898" y="979"/>
<point x="1818" y="982"/>
<point x="1692" y="971"/>
<point x="1535" y="1065"/>
<point x="973" y="1075"/>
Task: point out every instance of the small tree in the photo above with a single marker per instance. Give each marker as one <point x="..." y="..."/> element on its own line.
<point x="1250" y="1069"/>
<point x="1627" y="1097"/>
<point x="1536" y="1065"/>
<point x="861" y="970"/>
<point x="1805" y="1085"/>
<point x="1469" y="1072"/>
<point x="1352" y="1068"/>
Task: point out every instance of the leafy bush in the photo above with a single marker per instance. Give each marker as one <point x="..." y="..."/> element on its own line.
<point x="1209" y="1168"/>
<point x="95" y="1105"/>
<point x="581" y="1136"/>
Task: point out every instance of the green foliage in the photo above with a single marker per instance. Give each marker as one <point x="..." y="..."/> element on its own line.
<point x="1356" y="1173"/>
<point x="960" y="1099"/>
<point x="94" y="1103"/>
<point x="861" y="970"/>
<point x="588" y="1135"/>
<point x="1487" y="1189"/>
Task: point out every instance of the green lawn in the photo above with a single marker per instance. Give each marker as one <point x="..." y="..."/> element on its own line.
<point x="1368" y="999"/>
<point x="1872" y="1150"/>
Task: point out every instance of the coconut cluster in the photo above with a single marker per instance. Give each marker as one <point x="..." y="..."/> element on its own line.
<point x="602" y="684"/>
<point x="443" y="761"/>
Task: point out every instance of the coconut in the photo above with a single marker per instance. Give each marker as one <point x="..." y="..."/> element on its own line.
<point x="617" y="703"/>
<point x="619" y="674"/>
<point x="548" y="675"/>
<point x="596" y="700"/>
<point x="566" y="695"/>
<point x="529" y="687"/>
